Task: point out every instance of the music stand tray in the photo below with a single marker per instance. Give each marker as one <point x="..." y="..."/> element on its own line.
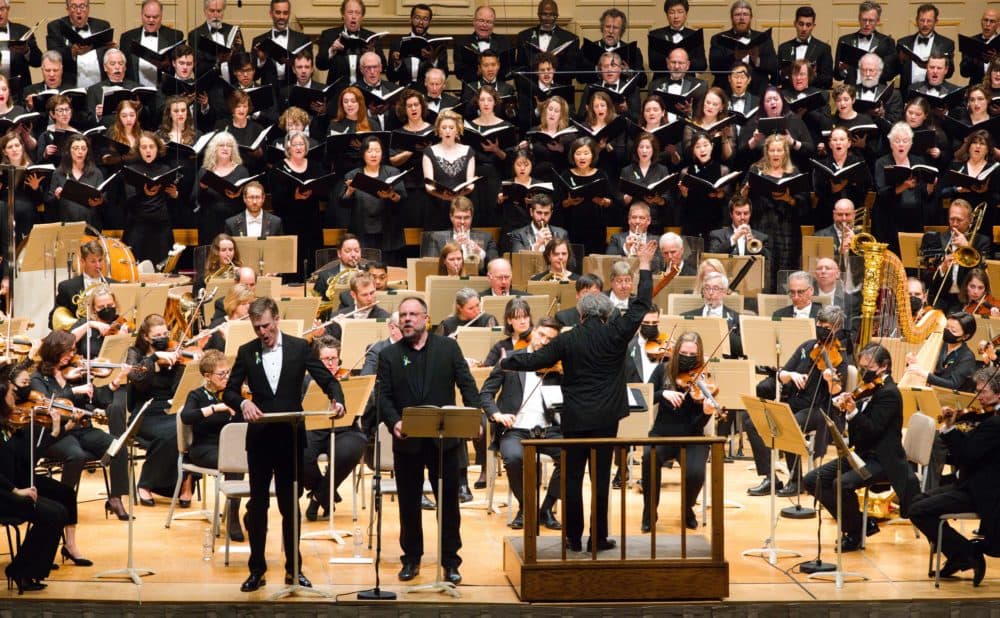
<point x="440" y="423"/>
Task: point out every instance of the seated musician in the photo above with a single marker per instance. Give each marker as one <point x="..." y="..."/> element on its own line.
<point x="237" y="306"/>
<point x="937" y="250"/>
<point x="974" y="454"/>
<point x="380" y="276"/>
<point x="807" y="384"/>
<point x="513" y="402"/>
<point x="451" y="263"/>
<point x="557" y="256"/>
<point x="875" y="424"/>
<point x="349" y="443"/>
<point x="500" y="275"/>
<point x="738" y="238"/>
<point x="92" y="263"/>
<point x="474" y="244"/>
<point x="102" y="320"/>
<point x="672" y="254"/>
<point x="207" y="414"/>
<point x="714" y="288"/>
<point x="625" y="243"/>
<point x="975" y="296"/>
<point x="587" y="283"/>
<point x="621" y="286"/>
<point x="535" y="235"/>
<point x="468" y="312"/>
<point x="363" y="295"/>
<point x="800" y="292"/>
<point x="348" y="261"/>
<point x="221" y="263"/>
<point x="955" y="363"/>
<point x="648" y="348"/>
<point x="680" y="411"/>
<point x="517" y="326"/>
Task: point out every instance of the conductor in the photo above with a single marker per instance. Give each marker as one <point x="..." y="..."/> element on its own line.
<point x="423" y="369"/>
<point x="594" y="383"/>
<point x="273" y="366"/>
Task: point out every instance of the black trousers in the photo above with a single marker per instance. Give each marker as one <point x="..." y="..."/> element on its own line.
<point x="694" y="477"/>
<point x="159" y="472"/>
<point x="47" y="517"/>
<point x="513" y="458"/>
<point x="822" y="483"/>
<point x="75" y="448"/>
<point x="409" y="469"/>
<point x="576" y="461"/>
<point x="273" y="459"/>
<point x="808" y="420"/>
<point x="348" y="447"/>
<point x="926" y="511"/>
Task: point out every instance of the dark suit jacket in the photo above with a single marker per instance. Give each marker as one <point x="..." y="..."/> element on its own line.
<point x="568" y="317"/>
<point x="65" y="292"/>
<point x="732" y="319"/>
<point x="445" y="369"/>
<point x="166" y="37"/>
<point x="818" y="54"/>
<point x="719" y="241"/>
<point x="975" y="453"/>
<point x="271" y="225"/>
<point x="594" y="365"/>
<point x="55" y="40"/>
<point x="403" y="74"/>
<point x="721" y="59"/>
<point x="297" y="358"/>
<point x="338" y="66"/>
<point x="658" y="60"/>
<point x="939" y="45"/>
<point x="569" y="59"/>
<point x="510" y="387"/>
<point x="616" y="246"/>
<point x="439" y="239"/>
<point x="660" y="84"/>
<point x="20" y="64"/>
<point x="511" y="293"/>
<point x="923" y="87"/>
<point x="467" y="62"/>
<point x="521" y="238"/>
<point x="95" y="97"/>
<point x="882" y="44"/>
<point x="789" y="311"/>
<point x="936" y="243"/>
<point x="954" y="370"/>
<point x="971" y="66"/>
<point x="268" y="73"/>
<point x="205" y="61"/>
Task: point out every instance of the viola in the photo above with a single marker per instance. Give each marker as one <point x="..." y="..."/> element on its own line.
<point x="983" y="306"/>
<point x="660" y="348"/>
<point x="826" y="355"/>
<point x="966" y="419"/>
<point x="700" y="386"/>
<point x="98" y="367"/>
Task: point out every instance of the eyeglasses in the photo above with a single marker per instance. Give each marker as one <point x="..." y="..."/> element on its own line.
<point x="222" y="374"/>
<point x="79" y="7"/>
<point x="799" y="292"/>
<point x="713" y="289"/>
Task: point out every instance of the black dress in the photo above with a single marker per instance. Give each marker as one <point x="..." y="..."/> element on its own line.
<point x="586" y="222"/>
<point x="449" y="173"/>
<point x="492" y="168"/>
<point x="700" y="213"/>
<point x="417" y="201"/>
<point x="781" y="220"/>
<point x="908" y="211"/>
<point x="147" y="217"/>
<point x="377" y="222"/>
<point x="660" y="215"/>
<point x="822" y="215"/>
<point x="158" y="429"/>
<point x="300" y="217"/>
<point x="214" y="208"/>
<point x="69" y="210"/>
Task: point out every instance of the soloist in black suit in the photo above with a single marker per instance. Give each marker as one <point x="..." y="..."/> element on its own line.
<point x="269" y="445"/>
<point x="409" y="377"/>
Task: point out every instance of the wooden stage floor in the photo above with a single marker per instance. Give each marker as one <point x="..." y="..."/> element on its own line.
<point x="895" y="562"/>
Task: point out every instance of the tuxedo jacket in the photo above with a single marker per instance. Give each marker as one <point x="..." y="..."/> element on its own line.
<point x="438" y="240"/>
<point x="56" y="40"/>
<point x="923" y="87"/>
<point x="467" y="63"/>
<point x="732" y="320"/>
<point x="660" y="84"/>
<point x="445" y="369"/>
<point x="936" y="243"/>
<point x="569" y="59"/>
<point x="971" y="66"/>
<point x="268" y="72"/>
<point x="403" y="74"/>
<point x="206" y="61"/>
<point x="338" y="65"/>
<point x="20" y="64"/>
<point x="789" y="311"/>
<point x="166" y="37"/>
<point x="635" y="61"/>
<point x="297" y="357"/>
<point x="65" y="292"/>
<point x="95" y="97"/>
<point x="522" y="238"/>
<point x="818" y="54"/>
<point x="658" y="60"/>
<point x="719" y="241"/>
<point x="447" y="101"/>
<point x="470" y="103"/>
<point x="975" y="453"/>
<point x="940" y="45"/>
<point x="270" y="226"/>
<point x="721" y="59"/>
<point x="882" y="44"/>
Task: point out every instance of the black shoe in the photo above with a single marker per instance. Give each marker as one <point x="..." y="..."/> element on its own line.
<point x="184" y="504"/>
<point x="312" y="511"/>
<point x="114" y="506"/>
<point x="518" y="522"/>
<point x="303" y="580"/>
<point x="850" y="543"/>
<point x="233" y="528"/>
<point x="80" y="562"/>
<point x="547" y="519"/>
<point x="574" y="545"/>
<point x="336" y="498"/>
<point x="978" y="569"/>
<point x="690" y="520"/>
<point x="953" y="566"/>
<point x="789" y="491"/>
<point x="147" y="501"/>
<point x="255" y="581"/>
<point x="646" y="527"/>
<point x="408" y="572"/>
<point x="764" y="489"/>
<point x="464" y="494"/>
<point x="617" y="482"/>
<point x="603" y="545"/>
<point x="452" y="575"/>
<point x="24" y="584"/>
<point x="872" y="528"/>
<point x="427" y="504"/>
<point x="480" y="483"/>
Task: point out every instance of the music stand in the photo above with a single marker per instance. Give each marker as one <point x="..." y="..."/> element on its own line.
<point x="294" y="418"/>
<point x="274" y="254"/>
<point x="844" y="452"/>
<point x="440" y="423"/>
<point x="127" y="440"/>
<point x="776" y="424"/>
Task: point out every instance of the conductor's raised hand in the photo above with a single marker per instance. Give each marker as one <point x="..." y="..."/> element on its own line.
<point x="645" y="253"/>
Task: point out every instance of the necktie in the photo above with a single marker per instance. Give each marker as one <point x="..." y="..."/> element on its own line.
<point x="145" y="34"/>
<point x="923" y="40"/>
<point x="279" y="33"/>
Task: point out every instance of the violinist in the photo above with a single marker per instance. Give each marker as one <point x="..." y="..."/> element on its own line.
<point x="649" y="347"/>
<point x="237" y="306"/>
<point x="102" y="311"/>
<point x="678" y="413"/>
<point x="975" y="297"/>
<point x="155" y="374"/>
<point x="468" y="312"/>
<point x="79" y="441"/>
<point x="205" y="411"/>
<point x="955" y="363"/>
<point x="512" y="400"/>
<point x="714" y="288"/>
<point x="807" y="383"/>
<point x="349" y="443"/>
<point x="517" y="326"/>
<point x="557" y="256"/>
<point x="975" y="455"/>
<point x="875" y="425"/>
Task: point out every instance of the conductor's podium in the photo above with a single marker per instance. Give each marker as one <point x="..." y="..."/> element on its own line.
<point x="643" y="567"/>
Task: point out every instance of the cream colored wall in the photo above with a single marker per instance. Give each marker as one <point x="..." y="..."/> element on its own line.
<point x="833" y="20"/>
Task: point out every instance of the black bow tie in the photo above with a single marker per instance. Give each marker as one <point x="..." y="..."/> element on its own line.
<point x="81" y="28"/>
<point x="736" y="99"/>
<point x="678" y="82"/>
<point x="145" y="34"/>
<point x="212" y="30"/>
<point x="864" y="37"/>
<point x="279" y="33"/>
<point x="436" y="100"/>
<point x="873" y="89"/>
<point x="923" y="40"/>
<point x="482" y="40"/>
<point x="801" y="43"/>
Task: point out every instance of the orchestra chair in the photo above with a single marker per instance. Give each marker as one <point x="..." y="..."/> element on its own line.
<point x="917" y="443"/>
<point x="185" y="435"/>
<point x="355" y="480"/>
<point x="935" y="557"/>
<point x="412" y="236"/>
<point x="233" y="460"/>
<point x="13" y="546"/>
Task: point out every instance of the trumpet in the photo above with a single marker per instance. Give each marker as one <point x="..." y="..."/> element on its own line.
<point x="754" y="245"/>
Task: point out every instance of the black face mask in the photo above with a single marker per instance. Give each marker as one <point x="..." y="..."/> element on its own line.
<point x="950" y="337"/>
<point x="160" y="343"/>
<point x="649" y="332"/>
<point x="687" y="363"/>
<point x="107" y="314"/>
<point x="822" y="333"/>
<point x="868" y="375"/>
<point x="916" y="304"/>
<point x="21" y="392"/>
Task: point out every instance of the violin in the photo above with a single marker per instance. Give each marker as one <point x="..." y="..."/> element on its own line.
<point x="826" y="355"/>
<point x="698" y="383"/>
<point x="185" y="354"/>
<point x="521" y="343"/>
<point x="19" y="345"/>
<point x="863" y="391"/>
<point x="659" y="349"/>
<point x="966" y="419"/>
<point x="21" y="414"/>
<point x="116" y="326"/>
<point x="983" y="306"/>
<point x="98" y="367"/>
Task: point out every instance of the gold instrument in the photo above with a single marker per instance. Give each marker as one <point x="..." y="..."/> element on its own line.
<point x="754" y="245"/>
<point x="64" y="319"/>
<point x="226" y="271"/>
<point x="968" y="256"/>
<point x="862" y="234"/>
<point x="335" y="283"/>
<point x="883" y="291"/>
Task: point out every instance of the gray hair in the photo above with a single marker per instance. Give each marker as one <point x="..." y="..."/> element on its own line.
<point x="292" y="135"/>
<point x="204" y="4"/>
<point x="393" y="318"/>
<point x="621" y="268"/>
<point x="831" y="314"/>
<point x="53" y="56"/>
<point x="900" y="129"/>
<point x="671" y="238"/>
<point x="801" y="275"/>
<point x="464" y="295"/>
<point x="114" y="51"/>
<point x="876" y="58"/>
<point x="723" y="280"/>
<point x="595" y="306"/>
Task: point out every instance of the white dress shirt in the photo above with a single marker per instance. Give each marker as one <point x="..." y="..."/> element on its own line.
<point x="271" y="359"/>
<point x="88" y="69"/>
<point x="532" y="413"/>
<point x="709" y="311"/>
<point x="801" y="313"/>
<point x="923" y="50"/>
<point x="148" y="73"/>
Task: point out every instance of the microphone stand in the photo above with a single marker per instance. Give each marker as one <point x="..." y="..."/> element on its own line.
<point x="376" y="593"/>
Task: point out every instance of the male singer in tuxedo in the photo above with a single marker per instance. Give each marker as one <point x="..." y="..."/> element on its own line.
<point x="81" y="63"/>
<point x="424" y="369"/>
<point x="410" y="70"/>
<point x="468" y="47"/>
<point x="733" y="238"/>
<point x="593" y="357"/>
<point x="153" y="35"/>
<point x="115" y="68"/>
<point x="675" y="32"/>
<point x="437" y="98"/>
<point x="678" y="81"/>
<point x="344" y="61"/>
<point x="254" y="221"/>
<point x="870" y="40"/>
<point x="274" y="366"/>
<point x="762" y="59"/>
<point x="535" y="235"/>
<point x="925" y="43"/>
<point x="19" y="56"/>
<point x="215" y="29"/>
<point x="806" y="46"/>
<point x="270" y="71"/>
<point x="614" y="23"/>
<point x="975" y="67"/>
<point x="549" y="36"/>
